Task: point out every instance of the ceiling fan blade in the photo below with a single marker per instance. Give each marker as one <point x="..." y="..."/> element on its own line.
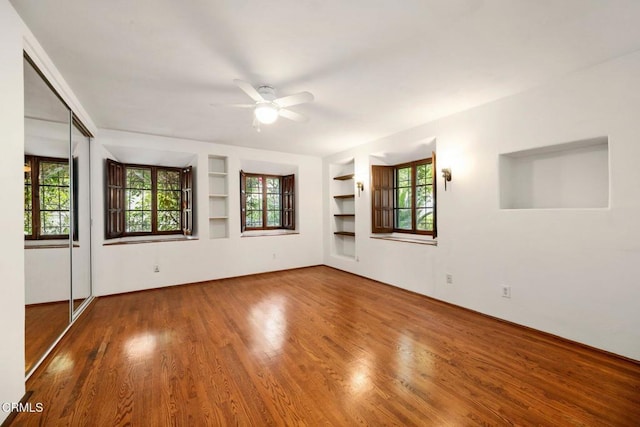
<point x="292" y="115"/>
<point x="234" y="105"/>
<point x="298" y="98"/>
<point x="249" y="90"/>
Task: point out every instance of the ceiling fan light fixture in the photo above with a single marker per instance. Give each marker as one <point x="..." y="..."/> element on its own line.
<point x="266" y="112"/>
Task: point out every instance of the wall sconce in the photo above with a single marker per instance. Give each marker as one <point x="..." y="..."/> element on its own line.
<point x="446" y="174"/>
<point x="360" y="186"/>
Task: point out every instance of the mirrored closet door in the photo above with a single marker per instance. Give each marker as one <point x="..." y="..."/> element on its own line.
<point x="57" y="218"/>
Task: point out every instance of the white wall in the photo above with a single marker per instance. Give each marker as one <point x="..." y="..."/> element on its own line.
<point x="11" y="175"/>
<point x="125" y="268"/>
<point x="573" y="272"/>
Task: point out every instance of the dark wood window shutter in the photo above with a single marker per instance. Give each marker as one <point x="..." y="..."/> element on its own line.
<point x="435" y="198"/>
<point x="74" y="184"/>
<point x="114" y="202"/>
<point x="288" y="202"/>
<point x="30" y="175"/>
<point x="382" y="199"/>
<point x="187" y="201"/>
<point x="243" y="201"/>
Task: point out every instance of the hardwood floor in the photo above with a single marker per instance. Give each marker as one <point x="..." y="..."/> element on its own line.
<point x="317" y="346"/>
<point x="43" y="325"/>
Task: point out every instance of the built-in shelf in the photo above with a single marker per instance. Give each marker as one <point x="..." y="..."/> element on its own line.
<point x="218" y="195"/>
<point x="343" y="177"/>
<point x="343" y="209"/>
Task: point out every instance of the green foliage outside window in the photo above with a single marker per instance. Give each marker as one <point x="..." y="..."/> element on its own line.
<point x="147" y="200"/>
<point x="168" y="199"/>
<point x="28" y="201"/>
<point x="52" y="210"/>
<point x="267" y="202"/>
<point x="424" y="197"/>
<point x="254" y="201"/>
<point x="408" y="204"/>
<point x="274" y="203"/>
<point x="138" y="200"/>
<point x="403" y="198"/>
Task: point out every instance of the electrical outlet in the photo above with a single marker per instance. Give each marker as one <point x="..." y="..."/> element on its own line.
<point x="449" y="279"/>
<point x="156" y="268"/>
<point x="506" y="291"/>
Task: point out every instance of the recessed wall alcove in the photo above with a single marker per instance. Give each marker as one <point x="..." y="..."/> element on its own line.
<point x="573" y="175"/>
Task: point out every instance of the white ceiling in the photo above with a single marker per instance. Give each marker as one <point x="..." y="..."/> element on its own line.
<point x="375" y="66"/>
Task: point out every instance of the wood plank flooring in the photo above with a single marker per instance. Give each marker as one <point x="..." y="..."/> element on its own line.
<point x="317" y="346"/>
<point x="43" y="325"/>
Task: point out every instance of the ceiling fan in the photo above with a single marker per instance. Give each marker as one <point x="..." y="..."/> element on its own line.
<point x="267" y="108"/>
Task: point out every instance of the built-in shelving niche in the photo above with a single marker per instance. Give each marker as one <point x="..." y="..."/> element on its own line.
<point x="343" y="209"/>
<point x="218" y="198"/>
<point x="573" y="175"/>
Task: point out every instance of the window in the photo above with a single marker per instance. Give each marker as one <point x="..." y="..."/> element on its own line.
<point x="46" y="198"/>
<point x="147" y="200"/>
<point x="267" y="201"/>
<point x="404" y="198"/>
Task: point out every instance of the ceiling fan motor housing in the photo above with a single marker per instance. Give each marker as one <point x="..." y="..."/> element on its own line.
<point x="267" y="92"/>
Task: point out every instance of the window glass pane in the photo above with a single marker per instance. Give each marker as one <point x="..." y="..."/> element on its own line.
<point x="254" y="184"/>
<point x="424" y="196"/>
<point x="137" y="200"/>
<point x="54" y="223"/>
<point x="424" y="219"/>
<point x="273" y="185"/>
<point x="403" y="197"/>
<point x="28" y="200"/>
<point x="254" y="202"/>
<point x="168" y="200"/>
<point x="263" y="201"/>
<point x="273" y="202"/>
<point x="138" y="221"/>
<point x="403" y="219"/>
<point x="28" y="230"/>
<point x="27" y="197"/>
<point x="254" y="219"/>
<point x="168" y="195"/>
<point x="168" y="220"/>
<point x="404" y="177"/>
<point x="54" y="173"/>
<point x="273" y="219"/>
<point x="139" y="178"/>
<point x="424" y="174"/>
<point x="27" y="173"/>
<point x="168" y="180"/>
<point x="54" y="198"/>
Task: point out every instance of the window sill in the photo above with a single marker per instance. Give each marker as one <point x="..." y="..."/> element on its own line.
<point x="419" y="240"/>
<point x="261" y="233"/>
<point x="60" y="244"/>
<point x="147" y="239"/>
